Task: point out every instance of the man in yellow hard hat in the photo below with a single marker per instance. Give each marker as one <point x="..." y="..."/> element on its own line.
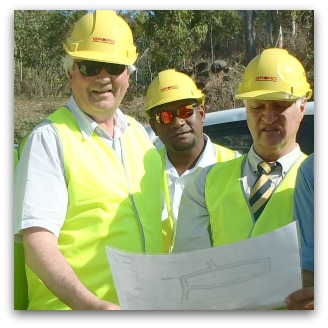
<point x="222" y="206"/>
<point x="88" y="177"/>
<point x="176" y="111"/>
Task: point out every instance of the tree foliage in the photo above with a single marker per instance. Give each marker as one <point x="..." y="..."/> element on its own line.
<point x="38" y="49"/>
<point x="165" y="39"/>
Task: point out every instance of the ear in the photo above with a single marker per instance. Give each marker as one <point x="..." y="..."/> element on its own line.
<point x="69" y="74"/>
<point x="302" y="108"/>
<point x="303" y="105"/>
<point x="202" y="111"/>
<point x="153" y="125"/>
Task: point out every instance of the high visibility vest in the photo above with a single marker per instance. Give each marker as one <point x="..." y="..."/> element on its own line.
<point x="222" y="154"/>
<point x="20" y="281"/>
<point x="231" y="219"/>
<point x="111" y="203"/>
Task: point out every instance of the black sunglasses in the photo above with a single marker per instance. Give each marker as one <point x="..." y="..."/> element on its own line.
<point x="91" y="68"/>
<point x="182" y="112"/>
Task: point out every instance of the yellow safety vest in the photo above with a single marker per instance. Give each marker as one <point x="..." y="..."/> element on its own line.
<point x="222" y="154"/>
<point x="20" y="281"/>
<point x="231" y="219"/>
<point x="110" y="204"/>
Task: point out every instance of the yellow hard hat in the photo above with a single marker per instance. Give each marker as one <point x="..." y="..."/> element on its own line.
<point x="274" y="75"/>
<point x="102" y="36"/>
<point x="170" y="86"/>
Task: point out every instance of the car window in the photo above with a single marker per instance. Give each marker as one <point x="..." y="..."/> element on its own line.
<point x="236" y="136"/>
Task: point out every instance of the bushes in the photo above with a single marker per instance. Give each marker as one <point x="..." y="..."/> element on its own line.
<point x="24" y="125"/>
<point x="28" y="112"/>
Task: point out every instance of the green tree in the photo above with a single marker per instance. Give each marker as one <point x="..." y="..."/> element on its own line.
<point x="38" y="49"/>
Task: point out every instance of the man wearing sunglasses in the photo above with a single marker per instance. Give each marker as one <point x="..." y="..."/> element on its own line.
<point x="176" y="111"/>
<point x="88" y="177"/>
<point x="222" y="206"/>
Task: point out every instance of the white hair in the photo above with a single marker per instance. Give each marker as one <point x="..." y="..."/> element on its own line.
<point x="301" y="100"/>
<point x="68" y="63"/>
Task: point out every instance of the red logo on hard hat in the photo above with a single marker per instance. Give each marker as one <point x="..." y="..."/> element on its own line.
<point x="169" y="88"/>
<point x="103" y="40"/>
<point x="266" y="78"/>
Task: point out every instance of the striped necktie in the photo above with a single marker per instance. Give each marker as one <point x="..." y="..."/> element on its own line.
<point x="262" y="189"/>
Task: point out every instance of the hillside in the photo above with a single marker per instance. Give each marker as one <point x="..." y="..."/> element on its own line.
<point x="219" y="89"/>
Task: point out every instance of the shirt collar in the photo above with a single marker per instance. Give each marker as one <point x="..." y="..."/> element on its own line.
<point x="87" y="125"/>
<point x="206" y="158"/>
<point x="285" y="161"/>
<point x="208" y="155"/>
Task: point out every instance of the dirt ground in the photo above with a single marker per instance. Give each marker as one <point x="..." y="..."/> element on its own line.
<point x="36" y="107"/>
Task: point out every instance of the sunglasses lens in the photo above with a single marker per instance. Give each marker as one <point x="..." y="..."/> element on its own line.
<point x="185" y="111"/>
<point x="115" y="69"/>
<point x="166" y="117"/>
<point x="89" y="68"/>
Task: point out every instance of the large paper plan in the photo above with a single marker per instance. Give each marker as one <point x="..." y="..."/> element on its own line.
<point x="254" y="274"/>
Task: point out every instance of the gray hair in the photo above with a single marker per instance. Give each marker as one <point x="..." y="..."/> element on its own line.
<point x="68" y="63"/>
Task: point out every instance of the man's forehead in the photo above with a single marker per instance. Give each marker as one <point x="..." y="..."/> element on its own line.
<point x="262" y="101"/>
<point x="175" y="104"/>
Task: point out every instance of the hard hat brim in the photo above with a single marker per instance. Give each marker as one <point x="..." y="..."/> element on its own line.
<point x="200" y="99"/>
<point x="267" y="95"/>
<point x="101" y="57"/>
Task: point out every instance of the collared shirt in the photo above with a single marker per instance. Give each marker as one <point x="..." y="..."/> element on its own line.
<point x="177" y="183"/>
<point x="88" y="126"/>
<point x="41" y="197"/>
<point x="250" y="172"/>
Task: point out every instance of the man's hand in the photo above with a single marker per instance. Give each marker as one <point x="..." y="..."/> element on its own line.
<point x="302" y="299"/>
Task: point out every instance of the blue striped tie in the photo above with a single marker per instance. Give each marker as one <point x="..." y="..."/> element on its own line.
<point x="262" y="189"/>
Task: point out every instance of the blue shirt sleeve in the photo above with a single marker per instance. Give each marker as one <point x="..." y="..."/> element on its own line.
<point x="304" y="211"/>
